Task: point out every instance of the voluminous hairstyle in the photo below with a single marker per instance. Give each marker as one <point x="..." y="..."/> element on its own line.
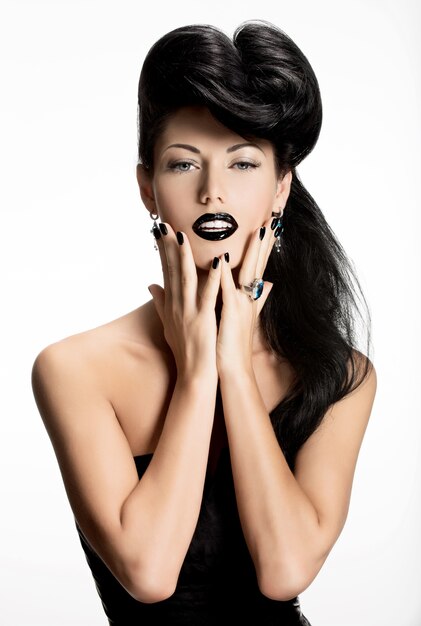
<point x="261" y="85"/>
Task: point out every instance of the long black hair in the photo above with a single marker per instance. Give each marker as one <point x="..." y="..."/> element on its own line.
<point x="260" y="84"/>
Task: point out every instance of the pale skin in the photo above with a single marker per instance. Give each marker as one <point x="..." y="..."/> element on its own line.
<point x="147" y="382"/>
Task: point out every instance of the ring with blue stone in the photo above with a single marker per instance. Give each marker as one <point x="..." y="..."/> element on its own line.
<point x="254" y="289"/>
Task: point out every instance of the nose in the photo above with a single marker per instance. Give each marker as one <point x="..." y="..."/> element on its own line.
<point x="211" y="187"/>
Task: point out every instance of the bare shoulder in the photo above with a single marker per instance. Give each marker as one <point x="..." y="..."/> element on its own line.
<point x="132" y="329"/>
<point x="102" y="351"/>
<point x="123" y="364"/>
<point x="88" y="388"/>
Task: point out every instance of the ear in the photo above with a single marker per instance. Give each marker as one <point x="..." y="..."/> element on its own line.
<point x="283" y="188"/>
<point x="144" y="180"/>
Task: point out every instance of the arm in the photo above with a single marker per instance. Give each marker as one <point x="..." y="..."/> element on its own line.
<point x="291" y="521"/>
<point x="140" y="529"/>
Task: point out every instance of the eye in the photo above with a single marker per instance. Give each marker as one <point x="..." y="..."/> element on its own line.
<point x="246" y="165"/>
<point x="181" y="166"/>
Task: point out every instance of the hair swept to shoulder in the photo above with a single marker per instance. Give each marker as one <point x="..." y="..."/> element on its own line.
<point x="260" y="84"/>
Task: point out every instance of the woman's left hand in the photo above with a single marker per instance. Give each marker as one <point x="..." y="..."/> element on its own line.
<point x="239" y="315"/>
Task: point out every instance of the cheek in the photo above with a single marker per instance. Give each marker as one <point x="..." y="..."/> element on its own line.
<point x="255" y="200"/>
<point x="169" y="201"/>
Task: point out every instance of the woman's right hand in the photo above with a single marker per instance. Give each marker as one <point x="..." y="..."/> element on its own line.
<point x="189" y="320"/>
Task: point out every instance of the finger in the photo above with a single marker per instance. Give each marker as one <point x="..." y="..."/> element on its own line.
<point x="163" y="257"/>
<point x="211" y="288"/>
<point x="247" y="272"/>
<point x="228" y="285"/>
<point x="265" y="248"/>
<point x="188" y="273"/>
<point x="172" y="261"/>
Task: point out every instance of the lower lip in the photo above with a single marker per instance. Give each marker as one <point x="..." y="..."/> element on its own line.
<point x="215" y="235"/>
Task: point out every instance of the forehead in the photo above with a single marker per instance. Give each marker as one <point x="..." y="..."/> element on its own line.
<point x="196" y="125"/>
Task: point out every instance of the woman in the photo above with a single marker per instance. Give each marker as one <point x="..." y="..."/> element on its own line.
<point x="208" y="440"/>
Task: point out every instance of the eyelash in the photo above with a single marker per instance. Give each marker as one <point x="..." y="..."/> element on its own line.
<point x="252" y="165"/>
<point x="174" y="166"/>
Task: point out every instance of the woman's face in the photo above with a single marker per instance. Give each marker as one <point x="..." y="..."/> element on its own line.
<point x="201" y="168"/>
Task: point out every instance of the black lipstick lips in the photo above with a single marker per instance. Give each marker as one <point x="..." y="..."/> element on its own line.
<point x="215" y="235"/>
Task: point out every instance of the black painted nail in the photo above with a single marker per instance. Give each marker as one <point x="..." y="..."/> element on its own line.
<point x="156" y="232"/>
<point x="163" y="229"/>
<point x="274" y="222"/>
<point x="278" y="231"/>
<point x="215" y="263"/>
<point x="180" y="238"/>
<point x="227" y="257"/>
<point x="262" y="232"/>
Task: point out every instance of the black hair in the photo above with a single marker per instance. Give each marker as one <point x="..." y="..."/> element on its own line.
<point x="260" y="84"/>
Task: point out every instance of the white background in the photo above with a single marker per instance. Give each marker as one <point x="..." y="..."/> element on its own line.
<point x="76" y="252"/>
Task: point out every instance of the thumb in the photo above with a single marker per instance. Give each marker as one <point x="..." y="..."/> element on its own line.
<point x="158" y="295"/>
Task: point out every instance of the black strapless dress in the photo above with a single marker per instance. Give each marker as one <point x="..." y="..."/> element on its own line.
<point x="217" y="583"/>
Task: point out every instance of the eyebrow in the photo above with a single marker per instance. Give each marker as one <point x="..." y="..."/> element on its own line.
<point x="237" y="146"/>
<point x="244" y="145"/>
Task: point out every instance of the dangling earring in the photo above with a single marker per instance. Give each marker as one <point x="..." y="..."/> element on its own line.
<point x="279" y="229"/>
<point x="155" y="225"/>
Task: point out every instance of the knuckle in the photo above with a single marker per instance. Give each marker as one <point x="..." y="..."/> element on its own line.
<point x="176" y="314"/>
<point x="172" y="270"/>
<point x="186" y="279"/>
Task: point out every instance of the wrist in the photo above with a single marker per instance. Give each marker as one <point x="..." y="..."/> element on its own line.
<point x="237" y="372"/>
<point x="199" y="377"/>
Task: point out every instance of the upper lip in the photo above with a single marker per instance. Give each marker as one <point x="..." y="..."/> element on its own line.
<point x="210" y="217"/>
